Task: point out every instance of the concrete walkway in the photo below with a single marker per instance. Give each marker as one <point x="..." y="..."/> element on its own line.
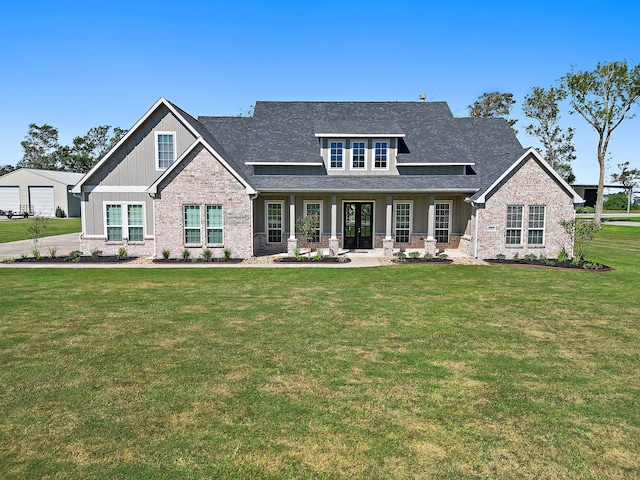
<point x="71" y="241"/>
<point x="63" y="243"/>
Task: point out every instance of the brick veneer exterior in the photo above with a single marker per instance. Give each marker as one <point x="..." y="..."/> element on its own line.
<point x="202" y="180"/>
<point x="529" y="185"/>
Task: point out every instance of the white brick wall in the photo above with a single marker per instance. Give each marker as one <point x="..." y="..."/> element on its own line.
<point x="529" y="185"/>
<point x="202" y="180"/>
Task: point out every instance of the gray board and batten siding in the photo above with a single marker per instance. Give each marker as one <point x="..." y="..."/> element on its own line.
<point x="133" y="164"/>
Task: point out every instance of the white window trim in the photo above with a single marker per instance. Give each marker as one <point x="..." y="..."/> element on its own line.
<point x="305" y="203"/>
<point x="266" y="220"/>
<point x="522" y="230"/>
<point x="157" y="160"/>
<point x="395" y="218"/>
<point x="344" y="155"/>
<point x="373" y="154"/>
<point x="124" y="215"/>
<point x="206" y="227"/>
<point x="543" y="228"/>
<point x="366" y="149"/>
<point x="450" y="203"/>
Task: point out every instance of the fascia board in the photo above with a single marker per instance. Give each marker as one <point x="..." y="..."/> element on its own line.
<point x="531" y="151"/>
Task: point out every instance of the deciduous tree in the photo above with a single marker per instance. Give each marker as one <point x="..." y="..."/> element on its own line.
<point x="603" y="97"/>
<point x="542" y="105"/>
<point x="40" y="148"/>
<point x="628" y="178"/>
<point x="493" y="104"/>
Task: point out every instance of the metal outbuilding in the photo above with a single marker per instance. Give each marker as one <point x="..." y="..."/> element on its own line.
<point x="40" y="192"/>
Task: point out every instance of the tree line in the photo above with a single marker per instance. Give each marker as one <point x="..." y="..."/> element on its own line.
<point x="603" y="97"/>
<point x="42" y="149"/>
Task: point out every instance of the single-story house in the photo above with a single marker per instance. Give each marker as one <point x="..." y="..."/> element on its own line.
<point x="39" y="192"/>
<point x="377" y="174"/>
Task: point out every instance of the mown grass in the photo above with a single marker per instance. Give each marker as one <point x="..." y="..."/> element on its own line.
<point x="411" y="371"/>
<point x="14" y="230"/>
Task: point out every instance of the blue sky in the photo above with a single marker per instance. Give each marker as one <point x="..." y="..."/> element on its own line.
<point x="75" y="65"/>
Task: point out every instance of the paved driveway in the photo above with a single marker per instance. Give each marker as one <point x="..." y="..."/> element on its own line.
<point x="63" y="243"/>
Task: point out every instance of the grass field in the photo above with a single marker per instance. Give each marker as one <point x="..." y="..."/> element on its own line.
<point x="410" y="371"/>
<point x="13" y="230"/>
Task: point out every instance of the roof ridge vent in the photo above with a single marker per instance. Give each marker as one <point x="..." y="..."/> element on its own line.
<point x="423" y="97"/>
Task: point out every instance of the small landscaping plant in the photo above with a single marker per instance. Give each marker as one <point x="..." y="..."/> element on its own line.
<point x="296" y="253"/>
<point x="227" y="254"/>
<point x="74" y="256"/>
<point x="166" y="254"/>
<point x="60" y="213"/>
<point x="400" y="256"/>
<point x="428" y="256"/>
<point x="530" y="257"/>
<point x="501" y="256"/>
<point x="122" y="254"/>
<point x="563" y="256"/>
<point x="185" y="255"/>
<point x="342" y="258"/>
<point x="36" y="254"/>
<point x="442" y="256"/>
<point x="206" y="255"/>
<point x="414" y="255"/>
<point x="95" y="254"/>
<point x="318" y="256"/>
<point x="53" y="252"/>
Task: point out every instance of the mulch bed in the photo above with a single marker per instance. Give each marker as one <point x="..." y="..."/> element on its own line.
<point x="312" y="260"/>
<point x="554" y="264"/>
<point x="422" y="260"/>
<point x="81" y="259"/>
<point x="197" y="260"/>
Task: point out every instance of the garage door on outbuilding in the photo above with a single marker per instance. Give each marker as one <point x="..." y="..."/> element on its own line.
<point x="42" y="200"/>
<point x="40" y="192"/>
<point x="10" y="198"/>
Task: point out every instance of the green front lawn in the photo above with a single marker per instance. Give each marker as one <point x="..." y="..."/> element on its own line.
<point x="13" y="230"/>
<point x="410" y="371"/>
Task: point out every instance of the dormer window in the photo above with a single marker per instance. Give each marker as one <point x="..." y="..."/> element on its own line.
<point x="165" y="149"/>
<point x="336" y="154"/>
<point x="358" y="152"/>
<point x="381" y="148"/>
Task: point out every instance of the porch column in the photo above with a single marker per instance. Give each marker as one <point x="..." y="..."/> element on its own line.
<point x="292" y="243"/>
<point x="387" y="243"/>
<point x="430" y="242"/>
<point x="333" y="240"/>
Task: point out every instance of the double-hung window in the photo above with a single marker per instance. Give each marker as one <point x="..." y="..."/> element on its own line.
<point x="124" y="221"/>
<point x="192" y="225"/>
<point x="358" y="152"/>
<point x="214" y="224"/>
<point x="274" y="222"/>
<point x="380" y="154"/>
<point x="114" y="222"/>
<point x="336" y="154"/>
<point x="314" y="208"/>
<point x="535" y="235"/>
<point x="514" y="225"/>
<point x="403" y="222"/>
<point x="135" y="227"/>
<point x="442" y="221"/>
<point x="165" y="149"/>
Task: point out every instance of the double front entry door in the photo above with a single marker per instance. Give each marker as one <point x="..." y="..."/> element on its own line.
<point x="358" y="225"/>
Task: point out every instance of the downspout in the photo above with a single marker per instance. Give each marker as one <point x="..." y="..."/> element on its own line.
<point x="475" y="234"/>
<point x="153" y="214"/>
<point x="252" y="197"/>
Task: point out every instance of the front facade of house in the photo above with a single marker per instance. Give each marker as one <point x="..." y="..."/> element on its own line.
<point x="384" y="175"/>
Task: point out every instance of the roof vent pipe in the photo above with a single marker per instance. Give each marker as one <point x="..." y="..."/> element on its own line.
<point x="423" y="97"/>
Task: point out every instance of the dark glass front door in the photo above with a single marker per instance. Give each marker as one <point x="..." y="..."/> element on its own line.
<point x="358" y="225"/>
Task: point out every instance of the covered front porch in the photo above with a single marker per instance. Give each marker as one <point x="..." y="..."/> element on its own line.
<point x="430" y="222"/>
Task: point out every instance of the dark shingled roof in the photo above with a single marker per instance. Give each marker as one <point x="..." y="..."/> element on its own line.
<point x="286" y="132"/>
